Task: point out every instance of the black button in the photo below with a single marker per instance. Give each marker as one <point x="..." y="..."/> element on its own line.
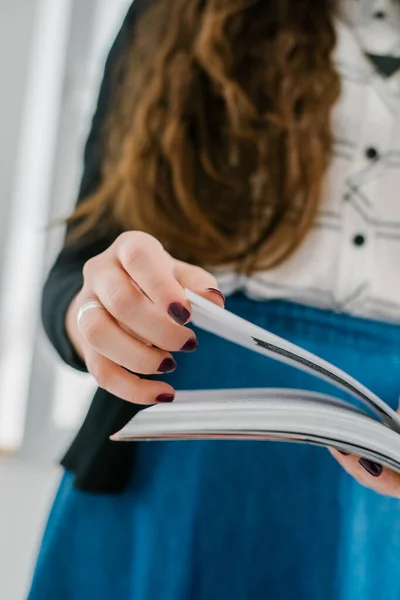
<point x="372" y="153"/>
<point x="347" y="197"/>
<point x="359" y="240"/>
<point x="379" y="14"/>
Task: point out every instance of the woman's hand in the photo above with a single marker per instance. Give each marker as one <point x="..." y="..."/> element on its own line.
<point x="131" y="314"/>
<point x="370" y="474"/>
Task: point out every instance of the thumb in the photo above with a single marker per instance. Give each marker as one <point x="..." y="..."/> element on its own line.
<point x="199" y="281"/>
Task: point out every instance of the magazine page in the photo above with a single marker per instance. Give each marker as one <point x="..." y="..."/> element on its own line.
<point x="266" y="414"/>
<point x="225" y="324"/>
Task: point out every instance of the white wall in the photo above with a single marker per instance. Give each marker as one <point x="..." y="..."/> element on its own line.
<point x="16" y="25"/>
<point x="26" y="491"/>
<point x="28" y="482"/>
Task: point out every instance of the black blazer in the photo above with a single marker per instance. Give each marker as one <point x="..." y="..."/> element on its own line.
<point x="98" y="464"/>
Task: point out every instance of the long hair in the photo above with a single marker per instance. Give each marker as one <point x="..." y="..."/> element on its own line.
<point x="219" y="135"/>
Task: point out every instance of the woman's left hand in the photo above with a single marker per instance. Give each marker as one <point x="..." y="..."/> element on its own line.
<point x="370" y="474"/>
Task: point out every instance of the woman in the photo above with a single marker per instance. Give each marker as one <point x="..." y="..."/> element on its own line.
<point x="252" y="147"/>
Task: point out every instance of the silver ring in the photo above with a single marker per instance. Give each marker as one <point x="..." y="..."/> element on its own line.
<point x="86" y="307"/>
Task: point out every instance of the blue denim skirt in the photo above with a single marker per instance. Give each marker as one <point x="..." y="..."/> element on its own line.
<point x="249" y="520"/>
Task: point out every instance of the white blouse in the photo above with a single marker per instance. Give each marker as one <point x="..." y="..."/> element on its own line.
<point x="350" y="261"/>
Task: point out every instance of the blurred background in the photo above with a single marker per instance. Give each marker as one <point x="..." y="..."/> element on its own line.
<point x="52" y="54"/>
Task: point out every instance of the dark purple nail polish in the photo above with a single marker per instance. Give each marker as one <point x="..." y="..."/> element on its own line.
<point x="165" y="398"/>
<point x="167" y="366"/>
<point x="179" y="313"/>
<point x="344" y="453"/>
<point x="372" y="468"/>
<point x="190" y="346"/>
<point x="220" y="294"/>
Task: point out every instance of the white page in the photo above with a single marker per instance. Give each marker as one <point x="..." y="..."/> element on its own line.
<point x="220" y="322"/>
<point x="285" y="418"/>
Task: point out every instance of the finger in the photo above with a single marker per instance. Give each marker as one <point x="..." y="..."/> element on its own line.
<point x="199" y="281"/>
<point x="370" y="474"/>
<point x="147" y="263"/>
<point x="122" y="299"/>
<point x="103" y="334"/>
<point x="114" y="379"/>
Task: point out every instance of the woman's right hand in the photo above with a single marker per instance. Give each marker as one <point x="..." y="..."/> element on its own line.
<point x="141" y="318"/>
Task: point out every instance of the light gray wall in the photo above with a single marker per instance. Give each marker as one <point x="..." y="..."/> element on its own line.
<point x="42" y="440"/>
<point x="26" y="493"/>
<point x="92" y="24"/>
<point x="16" y="28"/>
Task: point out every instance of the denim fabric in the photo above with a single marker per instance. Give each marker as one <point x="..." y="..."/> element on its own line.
<point x="238" y="520"/>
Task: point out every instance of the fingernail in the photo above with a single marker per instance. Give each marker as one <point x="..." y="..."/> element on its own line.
<point x="179" y="313"/>
<point x="344" y="453"/>
<point x="165" y="398"/>
<point x="372" y="468"/>
<point x="190" y="346"/>
<point x="167" y="366"/>
<point x="220" y="294"/>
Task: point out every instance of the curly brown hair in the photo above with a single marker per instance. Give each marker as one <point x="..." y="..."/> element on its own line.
<point x="220" y="136"/>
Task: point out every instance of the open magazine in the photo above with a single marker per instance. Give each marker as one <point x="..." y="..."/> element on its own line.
<point x="273" y="414"/>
